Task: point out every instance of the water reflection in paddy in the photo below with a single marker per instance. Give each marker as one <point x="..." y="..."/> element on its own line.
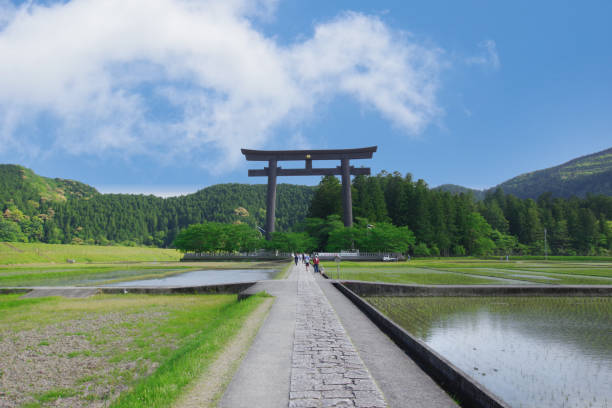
<point x="530" y="351"/>
<point x="205" y="277"/>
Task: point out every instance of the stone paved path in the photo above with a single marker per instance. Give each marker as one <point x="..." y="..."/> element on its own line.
<point x="326" y="369"/>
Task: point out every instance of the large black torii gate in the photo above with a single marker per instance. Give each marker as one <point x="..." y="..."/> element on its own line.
<point x="273" y="171"/>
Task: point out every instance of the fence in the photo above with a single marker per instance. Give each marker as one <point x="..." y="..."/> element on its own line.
<point x="361" y="256"/>
<point x="235" y="256"/>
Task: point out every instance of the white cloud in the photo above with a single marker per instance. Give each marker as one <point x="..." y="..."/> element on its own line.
<point x="489" y="58"/>
<point x="7" y="12"/>
<point x="299" y="141"/>
<point x="186" y="78"/>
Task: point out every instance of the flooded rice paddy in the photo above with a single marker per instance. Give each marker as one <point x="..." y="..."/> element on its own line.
<point x="530" y="351"/>
<point x="204" y="277"/>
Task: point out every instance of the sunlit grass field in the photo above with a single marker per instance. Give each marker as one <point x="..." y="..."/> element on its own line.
<point x="468" y="271"/>
<point x="12" y="253"/>
<point x="126" y="350"/>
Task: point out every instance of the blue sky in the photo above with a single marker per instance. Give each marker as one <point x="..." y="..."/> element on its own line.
<point x="159" y="97"/>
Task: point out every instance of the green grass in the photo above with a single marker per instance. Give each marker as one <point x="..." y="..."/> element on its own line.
<point x="53" y="395"/>
<point x="566" y="258"/>
<point x="410" y="275"/>
<point x="188" y="362"/>
<point x="459" y="271"/>
<point x="84" y="275"/>
<point x="282" y="274"/>
<point x="530" y="275"/>
<point x="130" y="334"/>
<point x="11" y="301"/>
<point x="25" y="253"/>
<point x="601" y="272"/>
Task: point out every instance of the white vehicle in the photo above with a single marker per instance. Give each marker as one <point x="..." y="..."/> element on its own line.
<point x="389" y="258"/>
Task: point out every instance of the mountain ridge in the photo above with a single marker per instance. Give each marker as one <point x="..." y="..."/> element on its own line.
<point x="59" y="210"/>
<point x="588" y="174"/>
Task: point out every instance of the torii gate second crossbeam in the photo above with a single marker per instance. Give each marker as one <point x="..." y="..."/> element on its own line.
<point x="273" y="171"/>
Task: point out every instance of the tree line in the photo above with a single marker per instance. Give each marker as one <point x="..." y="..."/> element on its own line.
<point x="392" y="213"/>
<point x="446" y="224"/>
<point x="128" y="219"/>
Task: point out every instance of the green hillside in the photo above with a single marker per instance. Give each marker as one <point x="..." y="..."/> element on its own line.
<point x="591" y="174"/>
<point x="66" y="211"/>
<point x="587" y="174"/>
<point x="26" y="189"/>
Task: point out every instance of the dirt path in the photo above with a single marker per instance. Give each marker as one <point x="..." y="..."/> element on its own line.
<point x="206" y="391"/>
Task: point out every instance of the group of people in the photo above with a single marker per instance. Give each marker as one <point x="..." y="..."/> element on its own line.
<point x="307" y="260"/>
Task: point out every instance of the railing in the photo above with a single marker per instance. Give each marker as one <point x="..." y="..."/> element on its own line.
<point x="345" y="255"/>
<point x="354" y="254"/>
<point x="238" y="255"/>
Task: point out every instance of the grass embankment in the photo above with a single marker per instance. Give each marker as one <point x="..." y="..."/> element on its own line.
<point x="462" y="271"/>
<point x="126" y="350"/>
<point x="282" y="274"/>
<point x="26" y="253"/>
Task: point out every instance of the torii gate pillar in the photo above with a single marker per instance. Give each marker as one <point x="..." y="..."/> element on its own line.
<point x="271" y="198"/>
<point x="347" y="200"/>
<point x="272" y="171"/>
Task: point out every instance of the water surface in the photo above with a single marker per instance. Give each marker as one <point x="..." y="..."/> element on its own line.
<point x="530" y="351"/>
<point x="205" y="277"/>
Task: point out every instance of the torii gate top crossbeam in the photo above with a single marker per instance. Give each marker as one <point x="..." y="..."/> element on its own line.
<point x="297" y="155"/>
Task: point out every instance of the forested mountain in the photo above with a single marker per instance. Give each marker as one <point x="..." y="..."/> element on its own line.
<point x="64" y="211"/>
<point x="579" y="177"/>
<point x="386" y="207"/>
<point x="591" y="174"/>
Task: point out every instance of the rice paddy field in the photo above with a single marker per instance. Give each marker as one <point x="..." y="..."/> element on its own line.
<point x="37" y="264"/>
<point x="111" y="350"/>
<point x="530" y="351"/>
<point x="460" y="271"/>
<point x="106" y="274"/>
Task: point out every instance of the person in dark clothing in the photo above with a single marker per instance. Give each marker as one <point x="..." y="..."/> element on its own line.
<point x="296" y="258"/>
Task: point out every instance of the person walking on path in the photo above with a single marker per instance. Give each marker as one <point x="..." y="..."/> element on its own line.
<point x="295" y="257"/>
<point x="315" y="264"/>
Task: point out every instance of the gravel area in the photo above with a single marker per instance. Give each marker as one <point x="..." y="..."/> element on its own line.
<point x="73" y="360"/>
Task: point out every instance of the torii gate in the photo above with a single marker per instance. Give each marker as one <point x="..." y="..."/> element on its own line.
<point x="272" y="171"/>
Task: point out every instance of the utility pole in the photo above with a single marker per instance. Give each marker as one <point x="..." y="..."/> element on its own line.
<point x="545" y="247"/>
